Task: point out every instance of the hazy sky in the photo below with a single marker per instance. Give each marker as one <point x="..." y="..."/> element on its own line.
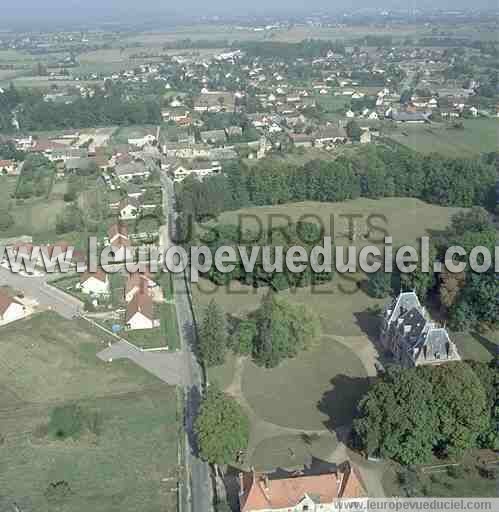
<point x="46" y="9"/>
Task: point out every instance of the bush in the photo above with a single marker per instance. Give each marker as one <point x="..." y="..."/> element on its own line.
<point x="57" y="491"/>
<point x="71" y="421"/>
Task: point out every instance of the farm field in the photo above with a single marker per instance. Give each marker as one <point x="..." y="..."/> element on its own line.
<point x="478" y="135"/>
<point x="135" y="447"/>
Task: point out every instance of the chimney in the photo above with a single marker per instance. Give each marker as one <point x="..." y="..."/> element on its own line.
<point x="241" y="483"/>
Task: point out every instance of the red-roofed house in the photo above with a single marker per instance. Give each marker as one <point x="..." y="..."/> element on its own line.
<point x="138" y="282"/>
<point x="315" y="493"/>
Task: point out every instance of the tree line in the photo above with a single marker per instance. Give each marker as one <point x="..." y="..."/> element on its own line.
<point x="374" y="172"/>
<point x="111" y="107"/>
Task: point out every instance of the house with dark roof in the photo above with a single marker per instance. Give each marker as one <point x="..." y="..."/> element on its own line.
<point x="412" y="337"/>
<point x="260" y="492"/>
<point x="330" y="135"/>
<point x="410" y="117"/>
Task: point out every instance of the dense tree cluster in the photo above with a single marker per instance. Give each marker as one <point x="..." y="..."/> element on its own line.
<point x="36" y="178"/>
<point x="306" y="49"/>
<point x="411" y="414"/>
<point x="111" y="107"/>
<point x="276" y="331"/>
<point x="274" y="241"/>
<point x="469" y="298"/>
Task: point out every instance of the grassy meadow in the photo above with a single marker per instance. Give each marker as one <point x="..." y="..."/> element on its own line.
<point x="478" y="136"/>
<point x="129" y="464"/>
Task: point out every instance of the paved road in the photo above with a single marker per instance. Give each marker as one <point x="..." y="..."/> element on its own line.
<point x="38" y="289"/>
<point x="167" y="366"/>
<point x="201" y="489"/>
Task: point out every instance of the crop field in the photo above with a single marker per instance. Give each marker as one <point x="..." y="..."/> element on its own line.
<point x="478" y="136"/>
<point x="129" y="463"/>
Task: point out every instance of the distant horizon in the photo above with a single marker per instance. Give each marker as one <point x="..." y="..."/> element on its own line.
<point x="74" y="11"/>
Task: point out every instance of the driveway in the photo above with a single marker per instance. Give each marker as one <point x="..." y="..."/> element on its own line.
<point x="167" y="366"/>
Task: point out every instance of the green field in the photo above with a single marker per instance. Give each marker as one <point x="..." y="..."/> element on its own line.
<point x="418" y="218"/>
<point x="478" y="136"/>
<point x="129" y="465"/>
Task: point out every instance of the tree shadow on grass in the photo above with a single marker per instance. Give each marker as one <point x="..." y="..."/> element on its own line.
<point x="340" y="403"/>
<point x="487" y="344"/>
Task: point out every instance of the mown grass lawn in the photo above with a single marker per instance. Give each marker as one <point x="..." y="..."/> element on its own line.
<point x="47" y="361"/>
<point x="317" y="389"/>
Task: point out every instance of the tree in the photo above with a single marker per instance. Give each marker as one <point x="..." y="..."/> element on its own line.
<point x="283" y="329"/>
<point x="487" y="373"/>
<point x="212" y="336"/>
<point x="461" y="404"/>
<point x="353" y="130"/>
<point x="451" y="285"/>
<point x="380" y="284"/>
<point x="245" y="337"/>
<point x="397" y="418"/>
<point x="222" y="428"/>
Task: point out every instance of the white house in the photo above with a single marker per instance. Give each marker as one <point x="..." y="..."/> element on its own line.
<point x="94" y="283"/>
<point x="8" y="167"/>
<point x="140" y="312"/>
<point x="10" y="308"/>
<point x="199" y="170"/>
<point x="143" y="141"/>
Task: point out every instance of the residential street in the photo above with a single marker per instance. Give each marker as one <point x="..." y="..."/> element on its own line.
<point x="199" y="472"/>
<point x="39" y="290"/>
